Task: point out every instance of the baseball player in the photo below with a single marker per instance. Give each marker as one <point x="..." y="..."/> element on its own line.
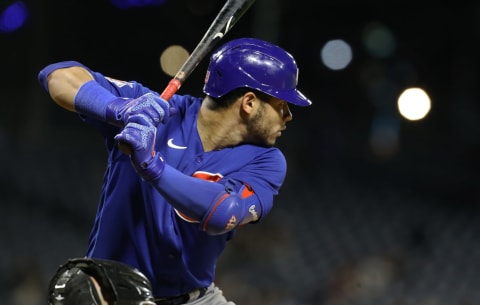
<point x="86" y="281"/>
<point x="197" y="168"/>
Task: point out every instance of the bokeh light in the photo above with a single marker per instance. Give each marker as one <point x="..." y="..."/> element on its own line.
<point x="13" y="17"/>
<point x="414" y="104"/>
<point x="379" y="41"/>
<point x="172" y="59"/>
<point x="336" y="54"/>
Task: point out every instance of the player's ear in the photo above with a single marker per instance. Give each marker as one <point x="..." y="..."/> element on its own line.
<point x="249" y="101"/>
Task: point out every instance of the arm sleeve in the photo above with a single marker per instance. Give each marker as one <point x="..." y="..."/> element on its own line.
<point x="194" y="197"/>
<point x="121" y="88"/>
<point x="187" y="194"/>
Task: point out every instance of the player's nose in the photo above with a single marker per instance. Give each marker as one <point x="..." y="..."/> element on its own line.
<point x="287" y="114"/>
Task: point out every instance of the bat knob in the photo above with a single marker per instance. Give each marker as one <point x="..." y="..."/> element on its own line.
<point x="124" y="148"/>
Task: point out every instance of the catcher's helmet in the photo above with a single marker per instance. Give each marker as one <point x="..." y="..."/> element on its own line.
<point x="255" y="64"/>
<point x="120" y="284"/>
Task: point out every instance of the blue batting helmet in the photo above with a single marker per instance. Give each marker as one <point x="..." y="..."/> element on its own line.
<point x="255" y="64"/>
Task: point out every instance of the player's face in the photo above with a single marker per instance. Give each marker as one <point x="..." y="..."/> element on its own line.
<point x="269" y="122"/>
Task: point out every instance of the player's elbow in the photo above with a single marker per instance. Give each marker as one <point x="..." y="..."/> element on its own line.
<point x="63" y="84"/>
<point x="225" y="214"/>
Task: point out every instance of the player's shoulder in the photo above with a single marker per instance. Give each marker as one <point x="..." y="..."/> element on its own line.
<point x="251" y="150"/>
<point x="185" y="102"/>
<point x="259" y="150"/>
<point x="259" y="154"/>
<point x="262" y="168"/>
<point x="273" y="154"/>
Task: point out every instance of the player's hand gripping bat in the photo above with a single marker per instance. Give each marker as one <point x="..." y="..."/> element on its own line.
<point x="228" y="16"/>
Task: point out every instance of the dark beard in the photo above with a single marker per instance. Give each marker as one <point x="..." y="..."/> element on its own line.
<point x="258" y="134"/>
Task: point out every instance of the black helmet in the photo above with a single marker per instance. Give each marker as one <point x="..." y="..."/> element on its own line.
<point x="119" y="283"/>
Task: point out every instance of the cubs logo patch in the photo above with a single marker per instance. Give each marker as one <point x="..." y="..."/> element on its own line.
<point x="119" y="83"/>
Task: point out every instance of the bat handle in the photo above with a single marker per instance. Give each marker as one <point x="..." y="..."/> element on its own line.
<point x="167" y="94"/>
<point x="171" y="89"/>
<point x="124" y="148"/>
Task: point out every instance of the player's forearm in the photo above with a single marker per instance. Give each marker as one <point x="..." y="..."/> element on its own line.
<point x="63" y="85"/>
<point x="62" y="81"/>
<point x="189" y="195"/>
<point x="72" y="86"/>
<point x="217" y="207"/>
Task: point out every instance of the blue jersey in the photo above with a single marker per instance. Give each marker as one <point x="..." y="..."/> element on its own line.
<point x="136" y="225"/>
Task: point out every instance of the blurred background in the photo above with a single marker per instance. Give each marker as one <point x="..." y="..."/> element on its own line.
<point x="381" y="201"/>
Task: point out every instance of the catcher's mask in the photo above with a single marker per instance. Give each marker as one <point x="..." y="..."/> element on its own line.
<point x="119" y="284"/>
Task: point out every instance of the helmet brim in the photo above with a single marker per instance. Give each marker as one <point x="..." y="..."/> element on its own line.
<point x="293" y="96"/>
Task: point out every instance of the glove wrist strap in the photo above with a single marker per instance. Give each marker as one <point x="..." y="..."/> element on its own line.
<point x="114" y="113"/>
<point x="152" y="170"/>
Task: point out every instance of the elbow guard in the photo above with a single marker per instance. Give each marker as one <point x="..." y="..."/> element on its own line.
<point x="226" y="212"/>
<point x="229" y="210"/>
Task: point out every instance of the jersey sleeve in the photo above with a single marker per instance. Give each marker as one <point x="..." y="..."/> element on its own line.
<point x="121" y="88"/>
<point x="265" y="175"/>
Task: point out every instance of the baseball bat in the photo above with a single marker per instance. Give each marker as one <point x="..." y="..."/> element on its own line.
<point x="226" y="18"/>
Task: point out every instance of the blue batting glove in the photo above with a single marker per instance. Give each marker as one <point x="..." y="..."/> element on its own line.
<point x="140" y="136"/>
<point x="149" y="105"/>
<point x="96" y="102"/>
